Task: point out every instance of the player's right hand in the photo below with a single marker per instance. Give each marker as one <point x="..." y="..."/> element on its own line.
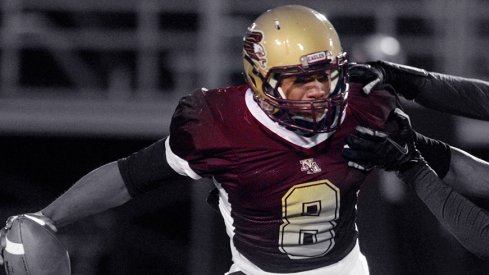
<point x="45" y="221"/>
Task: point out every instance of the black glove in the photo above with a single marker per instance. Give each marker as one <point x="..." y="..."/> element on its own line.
<point x="396" y="151"/>
<point x="404" y="80"/>
<point x="370" y="76"/>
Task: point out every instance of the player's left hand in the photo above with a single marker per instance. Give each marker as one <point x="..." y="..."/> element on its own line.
<point x="368" y="75"/>
<point x="45" y="221"/>
<point x="368" y="148"/>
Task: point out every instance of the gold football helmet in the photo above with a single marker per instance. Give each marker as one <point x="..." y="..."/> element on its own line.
<point x="296" y="41"/>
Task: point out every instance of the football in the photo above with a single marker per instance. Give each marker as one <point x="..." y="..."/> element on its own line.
<point x="33" y="249"/>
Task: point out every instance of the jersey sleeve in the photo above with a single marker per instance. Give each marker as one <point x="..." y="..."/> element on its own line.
<point x="193" y="149"/>
<point x="195" y="137"/>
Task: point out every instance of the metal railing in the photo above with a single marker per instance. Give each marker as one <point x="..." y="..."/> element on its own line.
<point x="143" y="54"/>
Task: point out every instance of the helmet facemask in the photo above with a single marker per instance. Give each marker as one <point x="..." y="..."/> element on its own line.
<point x="307" y="117"/>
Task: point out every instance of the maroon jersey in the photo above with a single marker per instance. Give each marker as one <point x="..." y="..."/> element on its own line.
<point x="288" y="201"/>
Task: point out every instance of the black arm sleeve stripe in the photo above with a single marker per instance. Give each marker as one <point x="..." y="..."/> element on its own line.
<point x="437" y="153"/>
<point x="147" y="169"/>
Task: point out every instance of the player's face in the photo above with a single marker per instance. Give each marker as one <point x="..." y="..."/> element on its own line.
<point x="307" y="88"/>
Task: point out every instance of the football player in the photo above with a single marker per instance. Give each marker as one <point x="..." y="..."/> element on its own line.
<point x="272" y="146"/>
<point x="369" y="148"/>
<point x="456" y="95"/>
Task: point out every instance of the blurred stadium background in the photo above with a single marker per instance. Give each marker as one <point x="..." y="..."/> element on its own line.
<point x="86" y="82"/>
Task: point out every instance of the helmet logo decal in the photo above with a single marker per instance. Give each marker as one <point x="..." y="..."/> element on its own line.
<point x="254" y="48"/>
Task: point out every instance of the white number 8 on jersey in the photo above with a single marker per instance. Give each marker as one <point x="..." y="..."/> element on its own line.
<point x="309" y="212"/>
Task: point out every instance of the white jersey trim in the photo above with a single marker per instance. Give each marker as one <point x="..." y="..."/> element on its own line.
<point x="281" y="131"/>
<point x="178" y="164"/>
<point x="225" y="209"/>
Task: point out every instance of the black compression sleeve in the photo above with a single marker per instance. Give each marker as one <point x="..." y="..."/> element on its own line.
<point x="455" y="95"/>
<point x="468" y="223"/>
<point x="146" y="169"/>
<point x="437" y="153"/>
<point x="451" y="94"/>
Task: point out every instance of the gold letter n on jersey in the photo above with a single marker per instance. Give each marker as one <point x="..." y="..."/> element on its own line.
<point x="310" y="166"/>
